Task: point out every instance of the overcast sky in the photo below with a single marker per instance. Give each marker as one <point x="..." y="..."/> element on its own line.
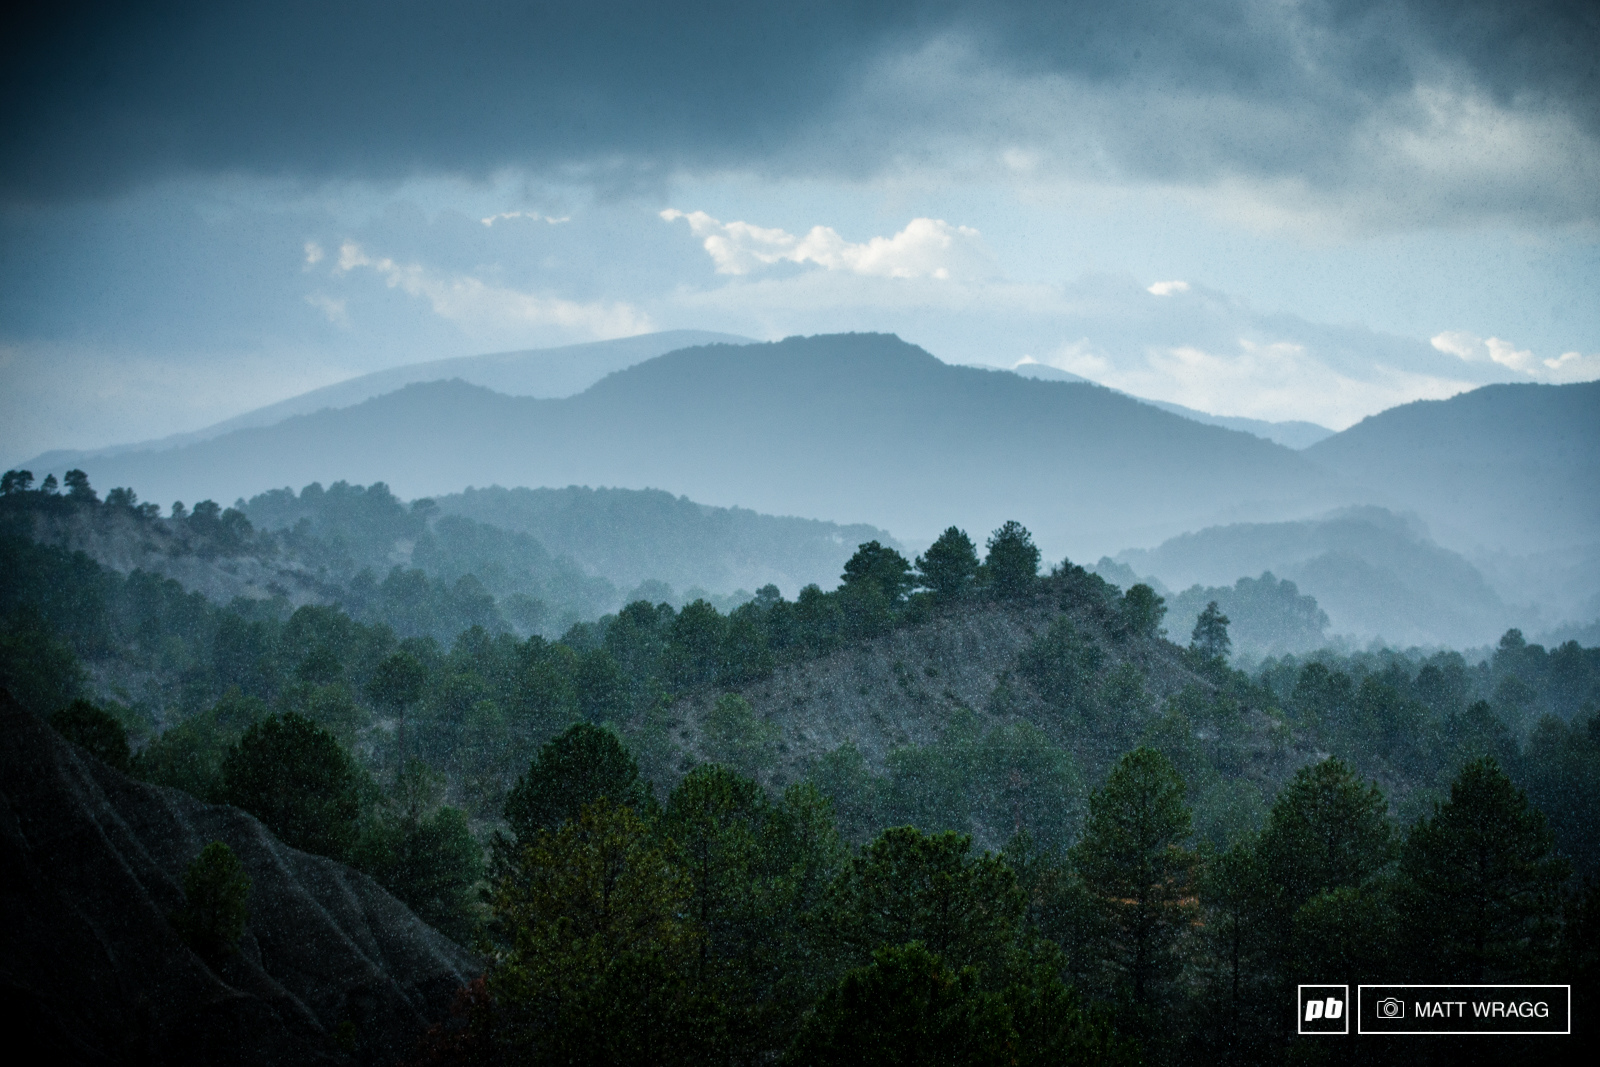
<point x="1271" y="208"/>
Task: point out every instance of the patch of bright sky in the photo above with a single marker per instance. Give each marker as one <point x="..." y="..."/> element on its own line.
<point x="1535" y="287"/>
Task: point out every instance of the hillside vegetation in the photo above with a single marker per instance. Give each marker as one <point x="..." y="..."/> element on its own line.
<point x="748" y="834"/>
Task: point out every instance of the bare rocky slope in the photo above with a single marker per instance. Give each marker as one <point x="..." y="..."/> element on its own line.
<point x="331" y="968"/>
<point x="907" y="687"/>
<point x="904" y="687"/>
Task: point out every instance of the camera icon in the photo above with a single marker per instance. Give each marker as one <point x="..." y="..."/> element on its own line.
<point x="1390" y="1008"/>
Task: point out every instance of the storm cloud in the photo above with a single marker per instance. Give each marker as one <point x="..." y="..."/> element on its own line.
<point x="1492" y="107"/>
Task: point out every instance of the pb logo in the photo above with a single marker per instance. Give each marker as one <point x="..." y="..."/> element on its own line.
<point x="1324" y="1009"/>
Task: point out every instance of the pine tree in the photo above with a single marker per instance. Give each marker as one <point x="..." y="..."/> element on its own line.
<point x="1325" y="831"/>
<point x="292" y="775"/>
<point x="574" y="770"/>
<point x="950" y="565"/>
<point x="1210" y="637"/>
<point x="1482" y="885"/>
<point x="1012" y="566"/>
<point x="1133" y="860"/>
<point x="882" y="567"/>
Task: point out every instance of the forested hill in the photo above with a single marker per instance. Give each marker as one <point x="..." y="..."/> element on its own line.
<point x="859" y="427"/>
<point x="1045" y="713"/>
<point x="1507" y="467"/>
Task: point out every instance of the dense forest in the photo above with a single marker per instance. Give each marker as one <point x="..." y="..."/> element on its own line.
<point x="1129" y="852"/>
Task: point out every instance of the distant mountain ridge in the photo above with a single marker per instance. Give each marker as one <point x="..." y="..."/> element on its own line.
<point x="1291" y="434"/>
<point x="540" y="372"/>
<point x="1501" y="467"/>
<point x="857" y="427"/>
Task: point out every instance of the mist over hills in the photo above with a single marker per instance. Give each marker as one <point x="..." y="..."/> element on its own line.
<point x="1504" y="467"/>
<point x="1374" y="573"/>
<point x="631" y="536"/>
<point x="865" y="428"/>
<point x="858" y="427"/>
<point x="587" y="548"/>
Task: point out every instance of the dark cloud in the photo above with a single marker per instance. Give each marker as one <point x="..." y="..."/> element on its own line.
<point x="100" y="96"/>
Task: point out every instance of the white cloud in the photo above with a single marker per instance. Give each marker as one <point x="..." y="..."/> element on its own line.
<point x="333" y="309"/>
<point x="313" y="254"/>
<point x="926" y="248"/>
<point x="1567" y="367"/>
<point x="533" y="215"/>
<point x="472" y="302"/>
<point x="1168" y="288"/>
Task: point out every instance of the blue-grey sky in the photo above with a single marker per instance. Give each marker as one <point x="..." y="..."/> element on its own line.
<point x="1273" y="208"/>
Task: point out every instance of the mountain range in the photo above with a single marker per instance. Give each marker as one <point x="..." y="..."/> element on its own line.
<point x="541" y="372"/>
<point x="864" y="428"/>
<point x="854" y="428"/>
<point x="1501" y="467"/>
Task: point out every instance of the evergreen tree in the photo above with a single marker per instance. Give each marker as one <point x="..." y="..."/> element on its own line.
<point x="950" y="566"/>
<point x="396" y="686"/>
<point x="77" y="484"/>
<point x="1011" y="567"/>
<point x="1233" y="893"/>
<point x="745" y="655"/>
<point x="424" y="853"/>
<point x="596" y="948"/>
<point x="882" y="567"/>
<point x="574" y="770"/>
<point x="600" y="687"/>
<point x="293" y="776"/>
<point x="907" y="1009"/>
<point x="1326" y="830"/>
<point x="694" y="649"/>
<point x="1210" y="637"/>
<point x="1141" y="612"/>
<point x="1062" y="664"/>
<point x="1133" y="860"/>
<point x="736" y="737"/>
<point x="717" y="824"/>
<point x="1482" y="883"/>
<point x="910" y="886"/>
<point x="15" y="482"/>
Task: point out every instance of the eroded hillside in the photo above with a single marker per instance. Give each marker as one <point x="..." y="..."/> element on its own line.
<point x="330" y="968"/>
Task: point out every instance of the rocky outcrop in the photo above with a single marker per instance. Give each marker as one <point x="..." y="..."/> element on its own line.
<point x="331" y="967"/>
